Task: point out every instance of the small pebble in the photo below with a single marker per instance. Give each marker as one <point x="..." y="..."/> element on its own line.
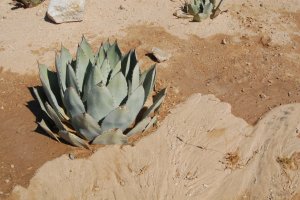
<point x="266" y="40"/>
<point x="263" y="96"/>
<point x="122" y="183"/>
<point x="224" y="41"/>
<point x="71" y="156"/>
<point x="12" y="166"/>
<point x="6" y="180"/>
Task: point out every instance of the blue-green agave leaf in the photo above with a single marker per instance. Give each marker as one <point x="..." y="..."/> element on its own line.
<point x="44" y="72"/>
<point x="119" y="118"/>
<point x="73" y="139"/>
<point x="93" y="77"/>
<point x="112" y="136"/>
<point x="82" y="62"/>
<point x="157" y="100"/>
<point x="86" y="126"/>
<point x="71" y="78"/>
<point x="61" y="61"/>
<point x="148" y="82"/>
<point x="87" y="49"/>
<point x="54" y="117"/>
<point x="139" y="127"/>
<point x="193" y="9"/>
<point x="132" y="63"/>
<point x="54" y="86"/>
<point x="44" y="126"/>
<point x="129" y="87"/>
<point x="106" y="45"/>
<point x="153" y="121"/>
<point x="116" y="70"/>
<point x="207" y="8"/>
<point x="73" y="102"/>
<point x="105" y="71"/>
<point x="118" y="88"/>
<point x="135" y="77"/>
<point x="39" y="98"/>
<point x="135" y="102"/>
<point x="125" y="63"/>
<point x="114" y="55"/>
<point x="100" y="56"/>
<point x="100" y="102"/>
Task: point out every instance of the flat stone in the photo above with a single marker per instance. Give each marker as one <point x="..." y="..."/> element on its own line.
<point x="60" y="11"/>
<point x="160" y="55"/>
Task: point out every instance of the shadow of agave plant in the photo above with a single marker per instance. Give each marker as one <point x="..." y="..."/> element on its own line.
<point x="96" y="98"/>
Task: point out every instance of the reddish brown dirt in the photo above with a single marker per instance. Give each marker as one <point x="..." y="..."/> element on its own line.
<point x="22" y="149"/>
<point x="252" y="77"/>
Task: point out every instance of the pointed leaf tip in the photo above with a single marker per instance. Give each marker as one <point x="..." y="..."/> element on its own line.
<point x="112" y="136"/>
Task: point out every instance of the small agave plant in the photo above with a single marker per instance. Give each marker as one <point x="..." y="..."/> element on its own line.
<point x="29" y="3"/>
<point x="96" y="99"/>
<point x="200" y="9"/>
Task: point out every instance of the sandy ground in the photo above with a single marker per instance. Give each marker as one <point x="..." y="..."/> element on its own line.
<point x="255" y="71"/>
<point x="25" y="37"/>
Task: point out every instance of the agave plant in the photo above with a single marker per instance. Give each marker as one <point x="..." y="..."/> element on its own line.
<point x="201" y="9"/>
<point x="29" y="3"/>
<point x="96" y="98"/>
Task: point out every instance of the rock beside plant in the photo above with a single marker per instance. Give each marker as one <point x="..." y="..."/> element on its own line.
<point x="60" y="11"/>
<point x="160" y="55"/>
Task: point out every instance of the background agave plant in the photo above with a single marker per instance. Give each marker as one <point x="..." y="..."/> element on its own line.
<point x="201" y="9"/>
<point x="28" y="3"/>
<point x="96" y="98"/>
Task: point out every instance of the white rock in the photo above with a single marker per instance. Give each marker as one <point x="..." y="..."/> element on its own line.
<point x="60" y="11"/>
<point x="160" y="55"/>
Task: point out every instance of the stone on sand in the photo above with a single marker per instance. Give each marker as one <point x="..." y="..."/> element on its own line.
<point x="60" y="11"/>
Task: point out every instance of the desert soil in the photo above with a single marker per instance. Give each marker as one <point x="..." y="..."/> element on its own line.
<point x="248" y="56"/>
